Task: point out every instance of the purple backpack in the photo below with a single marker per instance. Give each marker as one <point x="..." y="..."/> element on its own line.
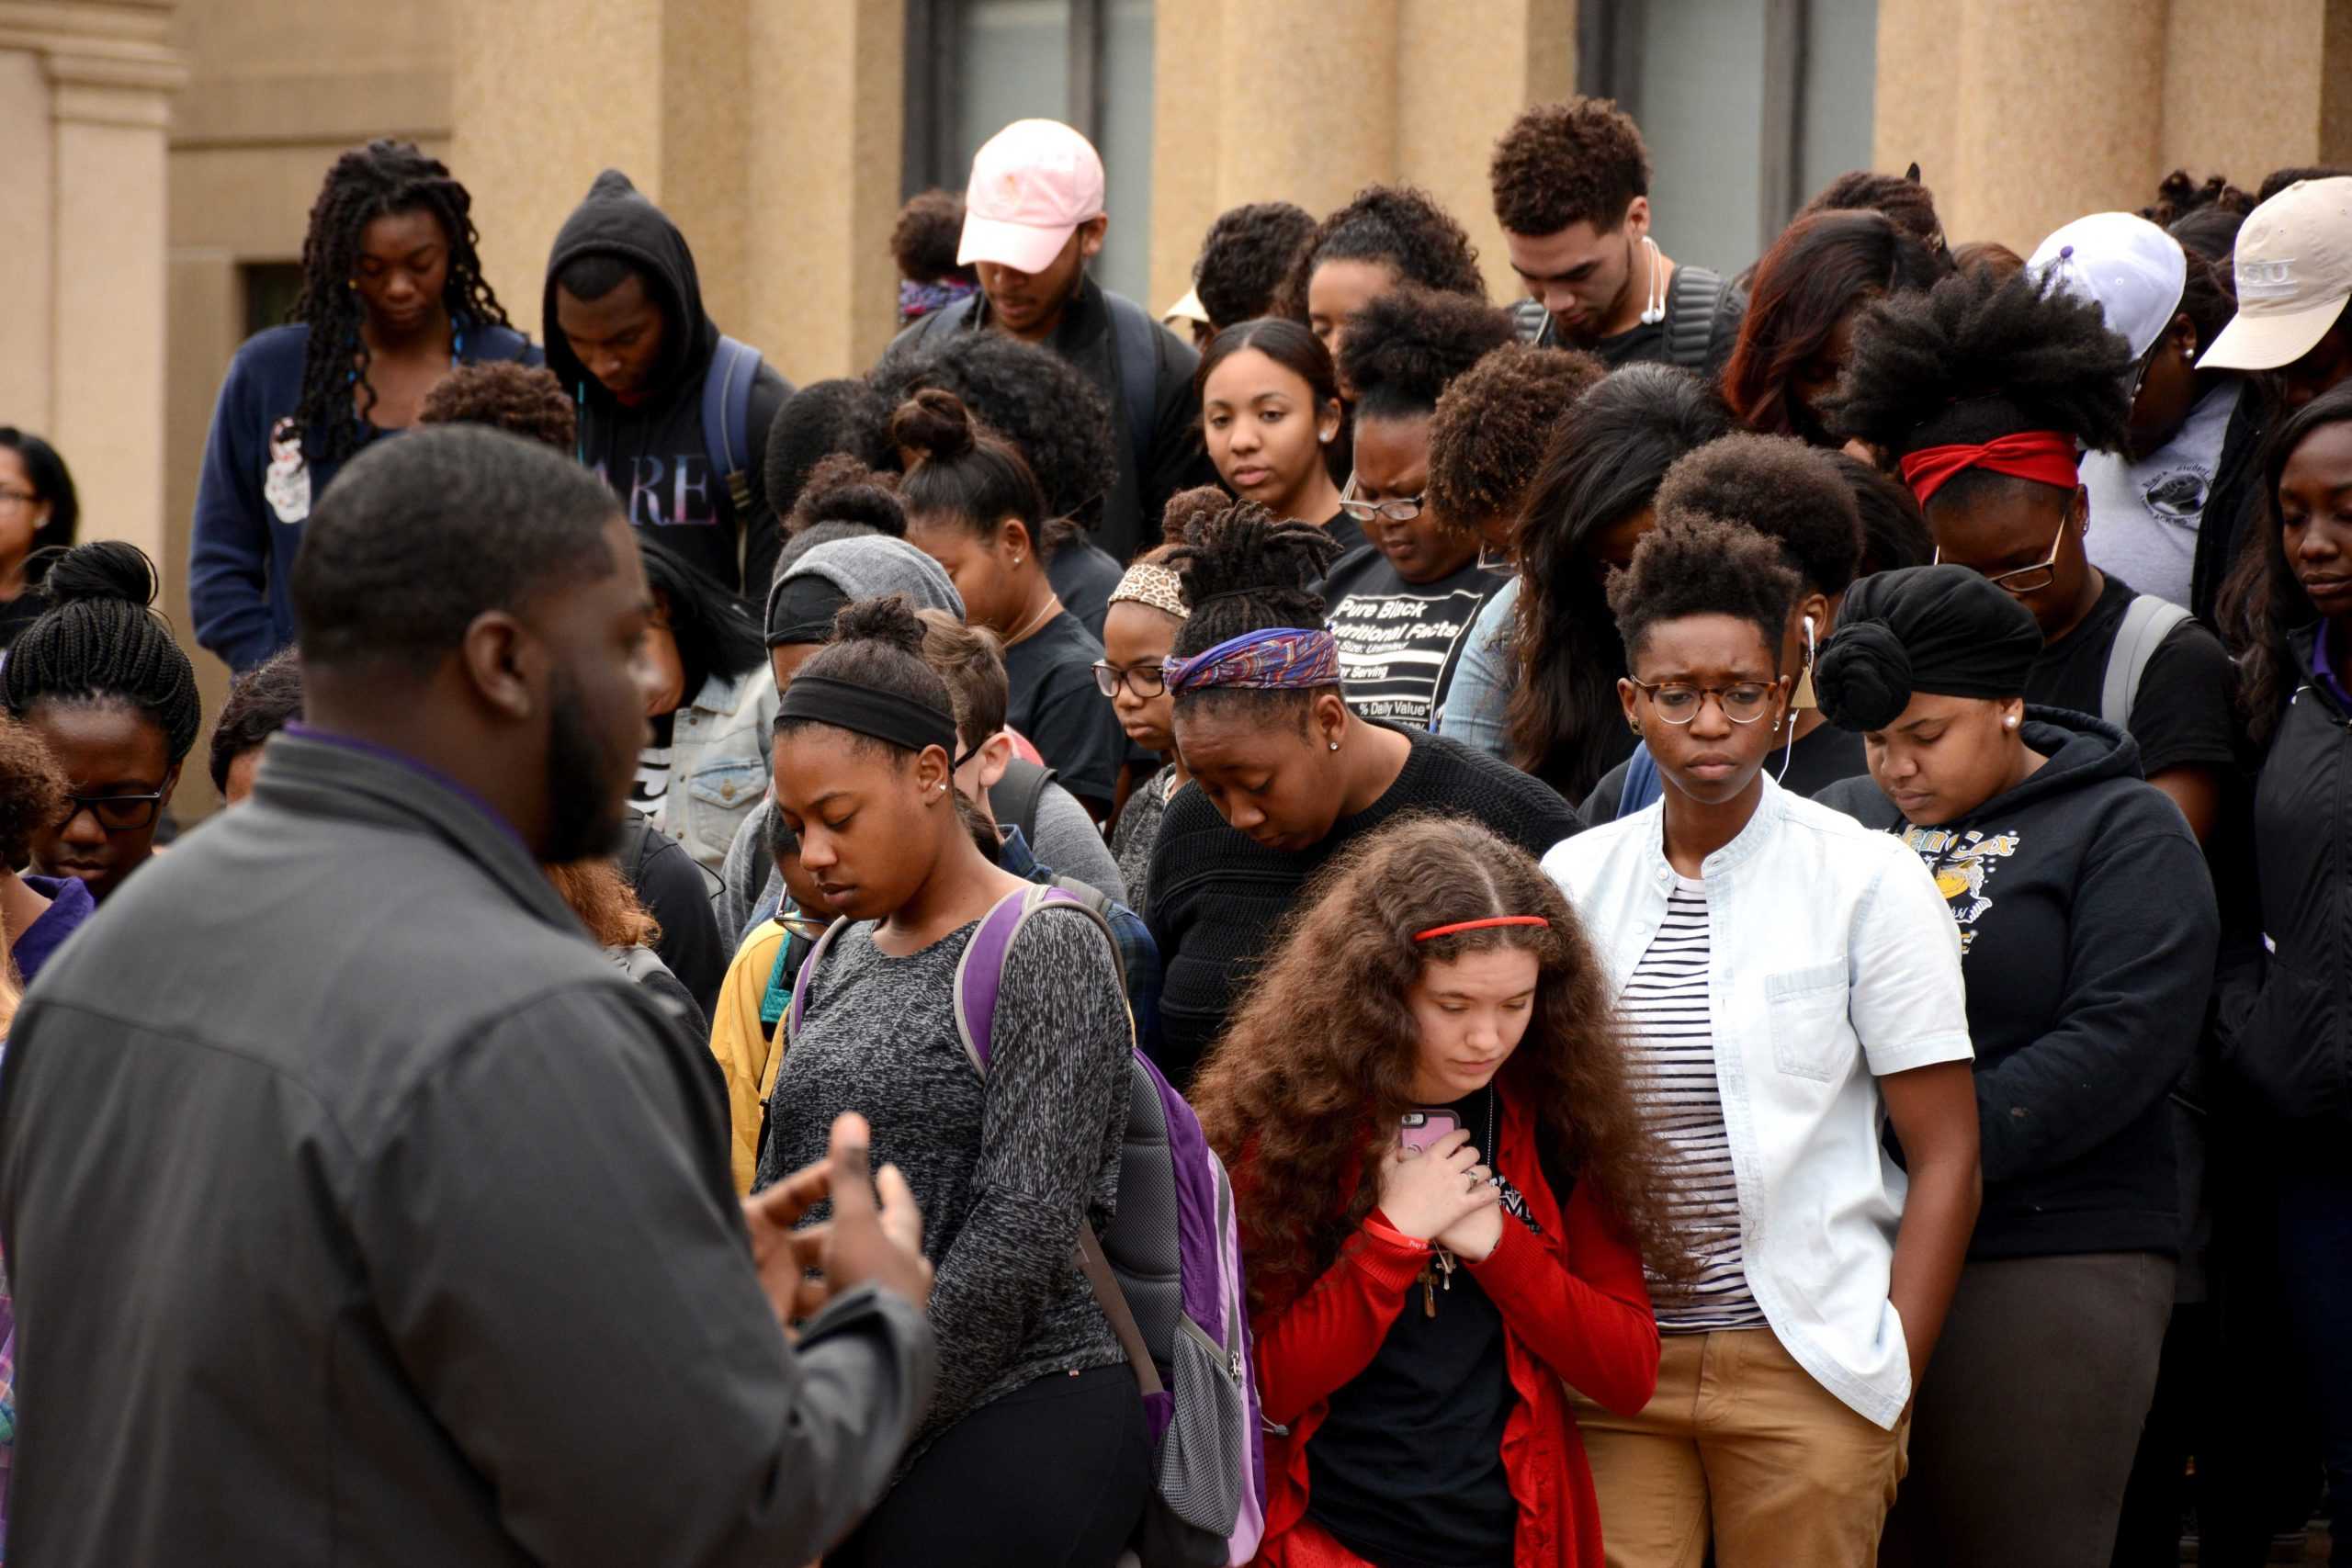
<point x="1167" y="1273"/>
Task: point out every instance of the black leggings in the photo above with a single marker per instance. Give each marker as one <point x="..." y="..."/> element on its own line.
<point x="1052" y="1475"/>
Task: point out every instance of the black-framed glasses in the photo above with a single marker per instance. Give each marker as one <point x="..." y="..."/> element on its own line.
<point x="1402" y="509"/>
<point x="2146" y="363"/>
<point x="2025" y="580"/>
<point x="1145" y="681"/>
<point x="118" y="813"/>
<point x="1743" y="703"/>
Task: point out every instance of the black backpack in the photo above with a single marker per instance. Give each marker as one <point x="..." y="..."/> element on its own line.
<point x="1014" y="796"/>
<point x="1702" y="313"/>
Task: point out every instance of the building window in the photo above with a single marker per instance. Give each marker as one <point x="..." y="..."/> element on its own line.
<point x="271" y="289"/>
<point x="974" y="66"/>
<point x="1748" y="106"/>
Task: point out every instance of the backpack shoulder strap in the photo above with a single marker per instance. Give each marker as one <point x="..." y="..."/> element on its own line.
<point x="727" y="406"/>
<point x="1641" y="784"/>
<point x="2147" y="621"/>
<point x="1138" y="357"/>
<point x="1692" y="296"/>
<point x="1112" y="1300"/>
<point x="1015" y="795"/>
<point x="808" y="970"/>
<point x="979" y="973"/>
<point x="1530" y="322"/>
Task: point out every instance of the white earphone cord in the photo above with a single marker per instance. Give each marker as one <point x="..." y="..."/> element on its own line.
<point x="1653" y="292"/>
<point x="1788" y="751"/>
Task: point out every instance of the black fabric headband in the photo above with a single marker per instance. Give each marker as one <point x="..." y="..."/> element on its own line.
<point x="862" y="710"/>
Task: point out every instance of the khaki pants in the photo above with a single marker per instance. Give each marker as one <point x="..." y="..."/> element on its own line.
<point x="1740" y="1445"/>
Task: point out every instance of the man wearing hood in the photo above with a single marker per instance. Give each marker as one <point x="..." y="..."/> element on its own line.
<point x="672" y="414"/>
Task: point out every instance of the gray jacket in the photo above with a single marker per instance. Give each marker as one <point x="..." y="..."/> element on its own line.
<point x="388" y="1223"/>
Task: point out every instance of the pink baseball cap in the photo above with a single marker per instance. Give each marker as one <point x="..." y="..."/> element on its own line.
<point x="1033" y="183"/>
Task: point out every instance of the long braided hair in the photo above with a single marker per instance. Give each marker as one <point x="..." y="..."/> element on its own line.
<point x="366" y="184"/>
<point x="101" y="641"/>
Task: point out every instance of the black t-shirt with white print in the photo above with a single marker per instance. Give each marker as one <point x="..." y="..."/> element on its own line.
<point x="1401" y="642"/>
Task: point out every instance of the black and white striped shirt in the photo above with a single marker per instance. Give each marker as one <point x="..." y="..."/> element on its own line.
<point x="1669" y="1031"/>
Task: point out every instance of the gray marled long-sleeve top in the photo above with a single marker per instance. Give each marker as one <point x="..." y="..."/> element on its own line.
<point x="1005" y="1170"/>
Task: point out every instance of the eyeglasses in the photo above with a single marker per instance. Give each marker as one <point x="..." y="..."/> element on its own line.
<point x="118" y="813"/>
<point x="1743" y="704"/>
<point x="1403" y="509"/>
<point x="2146" y="363"/>
<point x="1145" y="681"/>
<point x="2025" y="580"/>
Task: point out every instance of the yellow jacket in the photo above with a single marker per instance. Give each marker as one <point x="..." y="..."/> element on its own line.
<point x="746" y="1055"/>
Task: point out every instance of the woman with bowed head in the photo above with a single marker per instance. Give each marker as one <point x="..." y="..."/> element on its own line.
<point x="2286" y="1024"/>
<point x="99" y="678"/>
<point x="973" y="505"/>
<point x="393" y="297"/>
<point x="1138" y="637"/>
<point x="1802" y="306"/>
<point x="1386" y="236"/>
<point x="39" y="511"/>
<point x="1446" y="1195"/>
<point x="1033" y="1450"/>
<point x="1787" y="985"/>
<point x="2088" y="932"/>
<point x="1284" y="773"/>
<point x="1402" y="609"/>
<point x="1270" y="410"/>
<point x="1589" y="508"/>
<point x="705" y="766"/>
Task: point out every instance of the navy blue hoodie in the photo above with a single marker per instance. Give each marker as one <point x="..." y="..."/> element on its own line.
<point x="256" y="492"/>
<point x="655" y="454"/>
<point x="2087" y="938"/>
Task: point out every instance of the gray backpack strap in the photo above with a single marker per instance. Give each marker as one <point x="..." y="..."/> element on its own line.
<point x="1692" y="295"/>
<point x="1114" y="1303"/>
<point x="2147" y="621"/>
<point x="1530" y="322"/>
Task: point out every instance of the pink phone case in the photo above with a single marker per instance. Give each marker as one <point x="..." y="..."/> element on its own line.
<point x="1422" y="1128"/>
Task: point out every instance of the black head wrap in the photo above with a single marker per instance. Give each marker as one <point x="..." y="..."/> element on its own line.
<point x="802" y="610"/>
<point x="1940" y="629"/>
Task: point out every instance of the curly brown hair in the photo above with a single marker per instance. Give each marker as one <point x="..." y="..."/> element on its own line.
<point x="1578" y="161"/>
<point x="1492" y="425"/>
<point x="521" y="399"/>
<point x="605" y="903"/>
<point x="925" y="240"/>
<point x="1403" y="228"/>
<point x="32" y="790"/>
<point x="1292" y="1107"/>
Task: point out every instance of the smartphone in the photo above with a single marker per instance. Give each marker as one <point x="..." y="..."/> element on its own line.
<point x="1422" y="1128"/>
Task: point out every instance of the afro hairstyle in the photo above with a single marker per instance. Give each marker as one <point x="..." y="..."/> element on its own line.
<point x="32" y="789"/>
<point x="1980" y="356"/>
<point x="1246" y="260"/>
<point x="1785" y="490"/>
<point x="842" y="415"/>
<point x="1402" y="348"/>
<point x="262" y="701"/>
<point x="925" y="240"/>
<point x="522" y="399"/>
<point x="1578" y="161"/>
<point x="1045" y="406"/>
<point x="1493" y="425"/>
<point x="1401" y="227"/>
<point x="1691" y="564"/>
<point x="841" y="489"/>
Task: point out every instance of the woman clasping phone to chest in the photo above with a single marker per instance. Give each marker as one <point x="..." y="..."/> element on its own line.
<point x="1446" y="1195"/>
<point x="1034" y="1449"/>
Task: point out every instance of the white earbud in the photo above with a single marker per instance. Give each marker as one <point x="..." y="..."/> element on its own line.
<point x="1808" y="642"/>
<point x="1654" y="309"/>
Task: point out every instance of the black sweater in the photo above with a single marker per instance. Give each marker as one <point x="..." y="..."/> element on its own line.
<point x="1217" y="895"/>
<point x="2088" y="933"/>
<point x="2286" y="1027"/>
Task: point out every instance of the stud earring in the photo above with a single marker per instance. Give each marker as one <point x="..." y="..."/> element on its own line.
<point x="1324" y="437"/>
<point x="2009" y="723"/>
<point x="1335" y="745"/>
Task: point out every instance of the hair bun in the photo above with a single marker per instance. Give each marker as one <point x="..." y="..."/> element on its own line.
<point x="842" y="489"/>
<point x="890" y="618"/>
<point x="934" y="425"/>
<point x="104" y="569"/>
<point x="1186" y="508"/>
<point x="1863" y="676"/>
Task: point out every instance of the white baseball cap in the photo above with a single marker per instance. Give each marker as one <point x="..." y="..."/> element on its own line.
<point x="2294" y="274"/>
<point x="2131" y="268"/>
<point x="1033" y="183"/>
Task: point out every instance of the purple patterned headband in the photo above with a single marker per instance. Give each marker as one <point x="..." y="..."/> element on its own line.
<point x="1279" y="658"/>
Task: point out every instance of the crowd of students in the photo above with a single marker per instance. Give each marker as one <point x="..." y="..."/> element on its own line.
<point x="1690" y="920"/>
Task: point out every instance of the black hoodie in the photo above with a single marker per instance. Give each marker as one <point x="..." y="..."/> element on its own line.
<point x="2087" y="938"/>
<point x="655" y="455"/>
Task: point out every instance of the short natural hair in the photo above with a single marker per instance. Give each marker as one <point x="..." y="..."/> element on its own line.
<point x="1493" y="423"/>
<point x="418" y="536"/>
<point x="1786" y="491"/>
<point x="972" y="660"/>
<point x="1695" y="565"/>
<point x="1245" y="257"/>
<point x="32" y="791"/>
<point x="522" y="399"/>
<point x="926" y="237"/>
<point x="262" y="701"/>
<point x="1578" y="161"/>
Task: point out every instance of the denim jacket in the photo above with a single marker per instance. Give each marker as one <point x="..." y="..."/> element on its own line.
<point x="1832" y="963"/>
<point x="718" y="762"/>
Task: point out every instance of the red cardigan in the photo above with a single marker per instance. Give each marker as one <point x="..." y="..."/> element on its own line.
<point x="1573" y="1307"/>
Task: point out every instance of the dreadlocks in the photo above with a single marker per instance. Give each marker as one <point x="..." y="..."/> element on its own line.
<point x="366" y="184"/>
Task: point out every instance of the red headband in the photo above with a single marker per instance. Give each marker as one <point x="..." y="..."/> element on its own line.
<point x="2049" y="455"/>
<point x="1481" y="925"/>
